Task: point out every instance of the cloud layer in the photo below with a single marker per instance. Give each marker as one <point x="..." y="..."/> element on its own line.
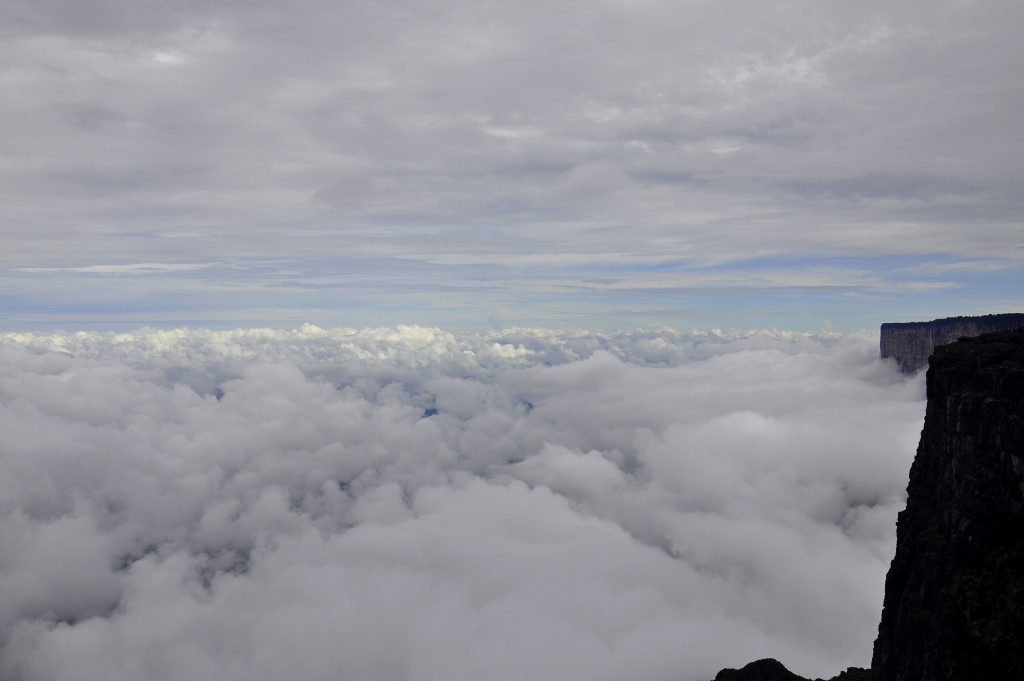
<point x="414" y="504"/>
<point x="552" y="161"/>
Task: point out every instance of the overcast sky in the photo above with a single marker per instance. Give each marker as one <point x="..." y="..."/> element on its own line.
<point x="720" y="163"/>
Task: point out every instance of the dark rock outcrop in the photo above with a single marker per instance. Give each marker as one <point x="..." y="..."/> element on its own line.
<point x="954" y="595"/>
<point x="911" y="343"/>
<point x="762" y="670"/>
<point x="770" y="669"/>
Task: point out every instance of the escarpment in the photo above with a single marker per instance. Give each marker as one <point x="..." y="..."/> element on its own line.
<point x="954" y="595"/>
<point x="911" y="343"/>
<point x="953" y="607"/>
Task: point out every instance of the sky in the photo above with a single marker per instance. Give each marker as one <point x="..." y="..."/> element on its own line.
<point x="409" y="504"/>
<point x="603" y="164"/>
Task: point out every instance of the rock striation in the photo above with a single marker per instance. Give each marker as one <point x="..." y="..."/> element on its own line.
<point x="911" y="343"/>
<point x="954" y="596"/>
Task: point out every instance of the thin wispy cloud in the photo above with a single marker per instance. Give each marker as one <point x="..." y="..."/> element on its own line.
<point x="132" y="268"/>
<point x="496" y="136"/>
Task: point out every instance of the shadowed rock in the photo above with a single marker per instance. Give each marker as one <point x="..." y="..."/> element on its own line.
<point x="762" y="670"/>
<point x="954" y="595"/>
<point x="912" y="343"/>
<point x="769" y="669"/>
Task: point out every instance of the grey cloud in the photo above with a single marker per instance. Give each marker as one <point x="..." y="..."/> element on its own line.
<point x="212" y="117"/>
<point x="411" y="503"/>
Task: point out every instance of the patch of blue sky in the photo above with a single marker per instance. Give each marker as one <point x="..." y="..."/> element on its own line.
<point x="672" y="265"/>
<point x="794" y="262"/>
<point x="353" y="291"/>
<point x="916" y="266"/>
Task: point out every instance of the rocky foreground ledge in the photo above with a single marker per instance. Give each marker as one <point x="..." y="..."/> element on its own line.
<point x="954" y="595"/>
<point x="773" y="670"/>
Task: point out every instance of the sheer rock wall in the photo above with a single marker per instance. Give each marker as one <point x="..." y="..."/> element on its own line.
<point x="911" y="343"/>
<point x="954" y="595"/>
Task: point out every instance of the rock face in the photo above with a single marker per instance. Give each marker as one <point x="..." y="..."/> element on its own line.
<point x="911" y="343"/>
<point x="954" y="595"/>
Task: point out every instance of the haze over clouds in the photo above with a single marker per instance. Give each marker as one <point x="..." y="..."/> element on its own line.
<point x="730" y="163"/>
<point x="414" y="504"/>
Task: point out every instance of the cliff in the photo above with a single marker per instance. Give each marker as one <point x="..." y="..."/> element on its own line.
<point x="911" y="343"/>
<point x="954" y="596"/>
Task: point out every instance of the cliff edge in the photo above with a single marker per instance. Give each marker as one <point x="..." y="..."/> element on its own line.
<point x="911" y="343"/>
<point x="954" y="595"/>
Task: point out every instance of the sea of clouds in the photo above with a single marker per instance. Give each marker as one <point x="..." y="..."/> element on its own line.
<point x="412" y="504"/>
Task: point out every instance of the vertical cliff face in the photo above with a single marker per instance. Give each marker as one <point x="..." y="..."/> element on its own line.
<point x="954" y="595"/>
<point x="911" y="343"/>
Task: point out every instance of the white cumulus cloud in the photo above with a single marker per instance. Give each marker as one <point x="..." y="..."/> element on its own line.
<point x="412" y="503"/>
